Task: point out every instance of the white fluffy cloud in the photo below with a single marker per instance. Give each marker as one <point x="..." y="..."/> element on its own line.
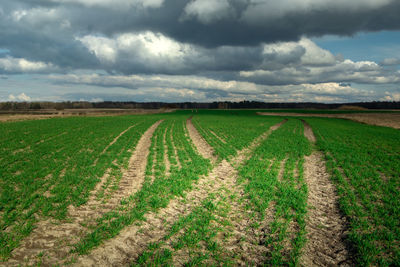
<point x="394" y="96"/>
<point x="305" y="62"/>
<point x="282" y="63"/>
<point x="163" y="81"/>
<point x="10" y="64"/>
<point x="147" y="49"/>
<point x="20" y="97"/>
<point x="195" y="88"/>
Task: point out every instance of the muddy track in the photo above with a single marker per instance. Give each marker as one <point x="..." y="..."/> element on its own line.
<point x="53" y="238"/>
<point x="326" y="227"/>
<point x="133" y="240"/>
<point x="202" y="146"/>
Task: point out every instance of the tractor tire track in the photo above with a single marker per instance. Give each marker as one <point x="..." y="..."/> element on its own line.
<point x="133" y="240"/>
<point x="52" y="239"/>
<point x="202" y="146"/>
<point x="326" y="227"/>
<point x="243" y="241"/>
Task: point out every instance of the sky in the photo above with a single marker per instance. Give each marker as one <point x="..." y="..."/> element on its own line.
<point x="200" y="50"/>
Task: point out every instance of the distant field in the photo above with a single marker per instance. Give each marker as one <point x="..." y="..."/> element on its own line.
<point x="328" y="111"/>
<point x="19" y="115"/>
<point x="199" y="187"/>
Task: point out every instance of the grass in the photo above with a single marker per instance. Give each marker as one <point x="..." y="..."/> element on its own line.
<point x="364" y="162"/>
<point x="237" y="129"/>
<point x="285" y="196"/>
<point x="48" y="165"/>
<point x="158" y="189"/>
<point x="195" y="234"/>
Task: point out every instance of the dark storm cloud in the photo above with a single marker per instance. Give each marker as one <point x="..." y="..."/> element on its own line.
<point x="215" y="48"/>
<point x="248" y="23"/>
<point x="246" y="26"/>
<point x="40" y="36"/>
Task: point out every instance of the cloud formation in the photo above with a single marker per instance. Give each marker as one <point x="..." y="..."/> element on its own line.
<point x="21" y="97"/>
<point x="223" y="48"/>
<point x="18" y="65"/>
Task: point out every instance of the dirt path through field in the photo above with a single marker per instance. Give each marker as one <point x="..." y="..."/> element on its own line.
<point x="52" y="238"/>
<point x="202" y="147"/>
<point x="326" y="227"/>
<point x="133" y="240"/>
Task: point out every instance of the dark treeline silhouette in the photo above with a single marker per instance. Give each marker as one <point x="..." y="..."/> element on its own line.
<point x="15" y="106"/>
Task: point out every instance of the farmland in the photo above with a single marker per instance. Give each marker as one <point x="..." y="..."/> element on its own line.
<point x="199" y="188"/>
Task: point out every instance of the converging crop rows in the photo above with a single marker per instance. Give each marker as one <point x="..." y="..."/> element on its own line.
<point x="199" y="188"/>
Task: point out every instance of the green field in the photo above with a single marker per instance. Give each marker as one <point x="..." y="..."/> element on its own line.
<point x="140" y="190"/>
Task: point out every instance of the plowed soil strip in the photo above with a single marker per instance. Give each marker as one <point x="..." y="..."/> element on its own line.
<point x="166" y="160"/>
<point x="133" y="240"/>
<point x="326" y="227"/>
<point x="52" y="239"/>
<point x="243" y="242"/>
<point x="202" y="146"/>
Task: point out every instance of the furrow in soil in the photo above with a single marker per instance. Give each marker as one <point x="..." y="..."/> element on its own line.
<point x="52" y="239"/>
<point x="133" y="240"/>
<point x="326" y="227"/>
<point x="202" y="146"/>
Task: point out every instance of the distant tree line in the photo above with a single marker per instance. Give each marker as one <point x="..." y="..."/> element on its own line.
<point x="16" y="106"/>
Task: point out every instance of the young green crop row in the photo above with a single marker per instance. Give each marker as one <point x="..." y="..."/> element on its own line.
<point x="201" y="235"/>
<point x="274" y="184"/>
<point x="365" y="164"/>
<point x="231" y="132"/>
<point x="158" y="187"/>
<point x="47" y="165"/>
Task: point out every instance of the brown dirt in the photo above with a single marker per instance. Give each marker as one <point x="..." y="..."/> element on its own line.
<point x="379" y="119"/>
<point x="47" y="114"/>
<point x="166" y="160"/>
<point x="326" y="227"/>
<point x="54" y="237"/>
<point x="133" y="240"/>
<point x="308" y="132"/>
<point x="202" y="146"/>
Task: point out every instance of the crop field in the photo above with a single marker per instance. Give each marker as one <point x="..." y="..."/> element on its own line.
<point x="199" y="188"/>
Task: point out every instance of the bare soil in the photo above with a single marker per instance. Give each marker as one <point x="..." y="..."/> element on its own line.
<point x="166" y="160"/>
<point x="47" y="114"/>
<point x="53" y="238"/>
<point x="379" y="119"/>
<point x="326" y="227"/>
<point x="133" y="240"/>
<point x="202" y="146"/>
